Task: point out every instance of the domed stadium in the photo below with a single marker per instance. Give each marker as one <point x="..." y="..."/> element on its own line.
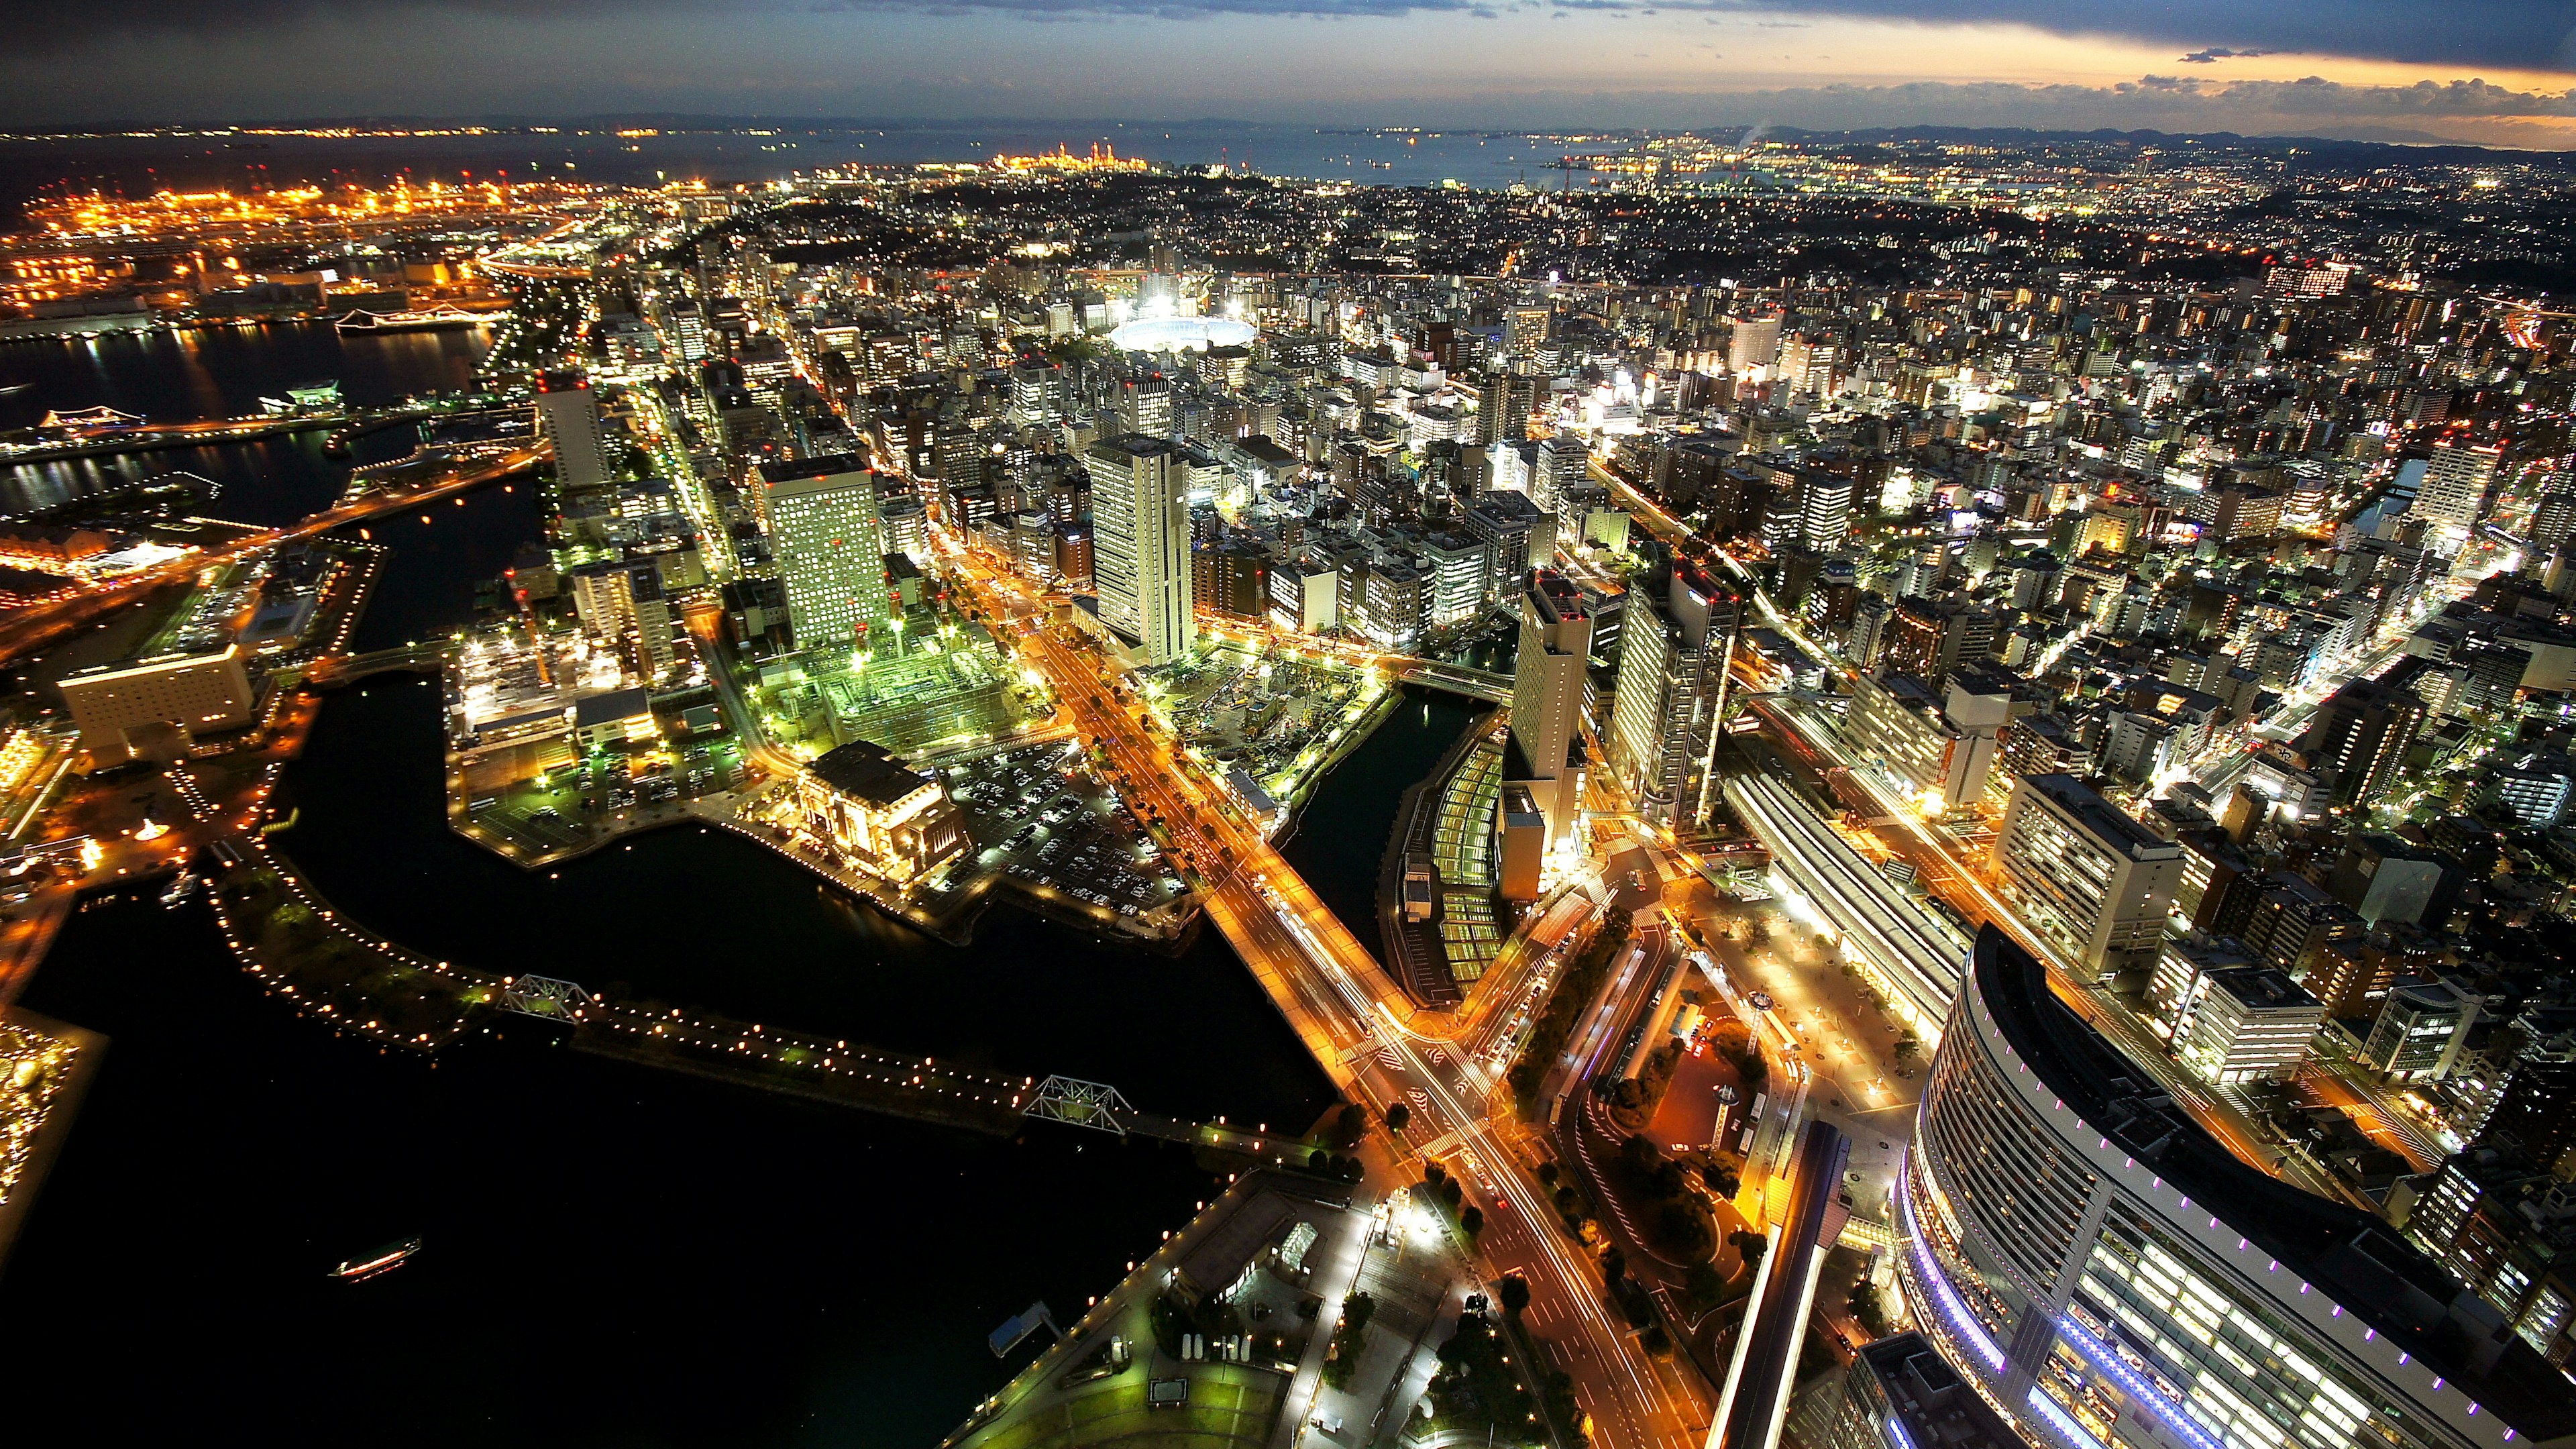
<point x="1180" y="334"/>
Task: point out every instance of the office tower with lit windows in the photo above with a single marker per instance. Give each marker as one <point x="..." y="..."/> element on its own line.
<point x="1140" y="544"/>
<point x="1145" y="405"/>
<point x="1754" y="342"/>
<point x="829" y="544"/>
<point x="568" y="417"/>
<point x="1674" y="649"/>
<point x="2362" y="733"/>
<point x="1547" y="699"/>
<point x="2459" y="481"/>
<point x="2088" y="876"/>
<point x="2108" y="1274"/>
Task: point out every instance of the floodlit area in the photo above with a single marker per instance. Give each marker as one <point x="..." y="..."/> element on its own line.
<point x="936" y="686"/>
<point x="1280" y="716"/>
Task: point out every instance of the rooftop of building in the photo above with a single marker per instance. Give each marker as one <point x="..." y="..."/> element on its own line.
<point x="867" y="772"/>
<point x="1555" y="596"/>
<point x="830" y="465"/>
<point x="2262" y="988"/>
<point x="2351" y="1256"/>
<point x="2101" y="819"/>
<point x="1926" y="1396"/>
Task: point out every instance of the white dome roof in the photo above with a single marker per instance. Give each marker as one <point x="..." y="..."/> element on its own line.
<point x="1175" y="334"/>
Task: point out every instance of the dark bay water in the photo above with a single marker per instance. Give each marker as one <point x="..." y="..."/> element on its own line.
<point x="185" y="376"/>
<point x="137" y="166"/>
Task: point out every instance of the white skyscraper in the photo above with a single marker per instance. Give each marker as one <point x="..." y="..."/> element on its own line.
<point x="568" y="414"/>
<point x="1140" y="543"/>
<point x="1547" y="699"/>
<point x="828" y="541"/>
<point x="2457" y="482"/>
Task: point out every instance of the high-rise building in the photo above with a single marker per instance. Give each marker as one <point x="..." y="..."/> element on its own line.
<point x="1563" y="468"/>
<point x="2099" y="1266"/>
<point x="1457" y="565"/>
<point x="2088" y="876"/>
<point x="2362" y="732"/>
<point x="568" y="415"/>
<point x="1675" y="645"/>
<point x="1517" y="538"/>
<point x="2243" y="1023"/>
<point x="1755" y="342"/>
<point x="1824" y="510"/>
<point x="2422" y="1025"/>
<point x="1145" y="405"/>
<point x="1140" y="544"/>
<point x="828" y="541"/>
<point x="2459" y="480"/>
<point x="1899" y="1393"/>
<point x="1547" y="698"/>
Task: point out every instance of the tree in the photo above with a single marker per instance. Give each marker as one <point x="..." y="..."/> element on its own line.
<point x="1472" y="1222"/>
<point x="1614" y="1265"/>
<point x="1398" y="1116"/>
<point x="1640" y="1153"/>
<point x="1749" y="1245"/>
<point x="1357" y="1310"/>
<point x="1349" y="1125"/>
<point x="1703" y="1287"/>
<point x="1515" y="1294"/>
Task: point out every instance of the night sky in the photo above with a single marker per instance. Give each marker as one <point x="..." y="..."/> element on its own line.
<point x="2497" y="71"/>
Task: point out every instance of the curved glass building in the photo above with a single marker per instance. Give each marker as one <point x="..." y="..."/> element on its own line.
<point x="2109" y="1276"/>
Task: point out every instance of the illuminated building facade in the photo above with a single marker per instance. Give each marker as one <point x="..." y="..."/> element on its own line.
<point x="876" y="816"/>
<point x="2105" y="1273"/>
<point x="2089" y="877"/>
<point x="568" y="415"/>
<point x="185" y="695"/>
<point x="1547" y="699"/>
<point x="1140" y="547"/>
<point x="830" y="545"/>
<point x="1674" y="649"/>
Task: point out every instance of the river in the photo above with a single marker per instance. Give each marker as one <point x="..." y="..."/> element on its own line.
<point x="613" y="1256"/>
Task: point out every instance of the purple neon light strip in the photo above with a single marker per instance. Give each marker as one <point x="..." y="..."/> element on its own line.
<point x="1961" y="1321"/>
<point x="2064" y="1422"/>
<point x="2174" y="1415"/>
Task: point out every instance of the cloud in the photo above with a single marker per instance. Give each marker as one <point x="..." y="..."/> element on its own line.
<point x="2514" y="34"/>
<point x="2216" y="53"/>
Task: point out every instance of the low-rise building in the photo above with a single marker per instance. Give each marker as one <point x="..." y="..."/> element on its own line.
<point x="120" y="708"/>
<point x="876" y="815"/>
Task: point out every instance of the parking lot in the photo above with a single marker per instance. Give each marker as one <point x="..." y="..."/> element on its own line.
<point x="1037" y="816"/>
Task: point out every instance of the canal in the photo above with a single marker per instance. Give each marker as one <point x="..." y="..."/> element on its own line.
<point x="612" y="1256"/>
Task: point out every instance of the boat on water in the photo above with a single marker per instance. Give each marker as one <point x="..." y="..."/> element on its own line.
<point x="416" y="320"/>
<point x="384" y="1260"/>
<point x="179" y="891"/>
